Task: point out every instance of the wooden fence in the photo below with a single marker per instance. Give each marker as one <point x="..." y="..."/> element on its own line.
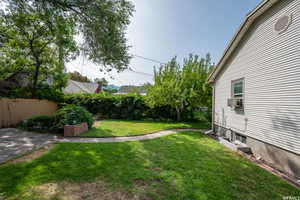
<point x="13" y="111"/>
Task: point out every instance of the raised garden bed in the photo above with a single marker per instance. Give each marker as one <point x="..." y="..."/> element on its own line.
<point x="75" y="130"/>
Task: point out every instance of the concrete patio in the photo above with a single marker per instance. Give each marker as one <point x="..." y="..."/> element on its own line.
<point x="15" y="143"/>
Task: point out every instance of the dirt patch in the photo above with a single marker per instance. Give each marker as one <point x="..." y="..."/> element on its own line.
<point x="33" y="155"/>
<point x="45" y="191"/>
<point x="81" y="191"/>
<point x="97" y="124"/>
<point x="142" y="183"/>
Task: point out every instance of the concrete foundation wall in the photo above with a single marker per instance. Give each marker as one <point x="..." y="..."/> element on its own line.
<point x="279" y="158"/>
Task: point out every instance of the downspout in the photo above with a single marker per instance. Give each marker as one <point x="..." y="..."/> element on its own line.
<point x="213" y="109"/>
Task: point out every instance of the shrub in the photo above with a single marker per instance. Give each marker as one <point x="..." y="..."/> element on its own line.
<point x="43" y="92"/>
<point x="41" y="124"/>
<point x="78" y="108"/>
<point x="128" y="107"/>
<point x="72" y="115"/>
<point x="49" y="93"/>
<point x="68" y="115"/>
<point x="132" y="107"/>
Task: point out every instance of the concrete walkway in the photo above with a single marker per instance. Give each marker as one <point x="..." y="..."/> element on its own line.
<point x="15" y="143"/>
<point x="126" y="139"/>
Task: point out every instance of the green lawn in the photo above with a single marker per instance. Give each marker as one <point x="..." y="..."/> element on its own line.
<point x="112" y="128"/>
<point x="185" y="166"/>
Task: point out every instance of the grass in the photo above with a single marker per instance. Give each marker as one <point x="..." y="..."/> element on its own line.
<point x="184" y="166"/>
<point x="113" y="128"/>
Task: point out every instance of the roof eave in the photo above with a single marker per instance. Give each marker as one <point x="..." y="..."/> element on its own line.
<point x="258" y="11"/>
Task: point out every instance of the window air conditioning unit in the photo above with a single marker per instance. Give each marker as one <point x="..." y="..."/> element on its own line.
<point x="229" y="102"/>
<point x="235" y="103"/>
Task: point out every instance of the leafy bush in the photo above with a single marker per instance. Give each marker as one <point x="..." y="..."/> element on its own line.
<point x="203" y="114"/>
<point x="43" y="92"/>
<point x="72" y="115"/>
<point x="80" y="107"/>
<point x="110" y="106"/>
<point x="50" y="93"/>
<point x="41" y="123"/>
<point x="69" y="115"/>
<point x="128" y="107"/>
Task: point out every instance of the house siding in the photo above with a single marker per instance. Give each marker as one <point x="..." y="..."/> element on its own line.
<point x="270" y="64"/>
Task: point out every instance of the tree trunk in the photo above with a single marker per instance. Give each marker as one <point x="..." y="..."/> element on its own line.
<point x="178" y="114"/>
<point x="60" y="56"/>
<point x="37" y="67"/>
<point x="36" y="76"/>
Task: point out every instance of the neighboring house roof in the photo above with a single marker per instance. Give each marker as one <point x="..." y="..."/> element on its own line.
<point x="14" y="80"/>
<point x="132" y="88"/>
<point x="75" y="87"/>
<point x="21" y="79"/>
<point x="251" y="17"/>
<point x="141" y="93"/>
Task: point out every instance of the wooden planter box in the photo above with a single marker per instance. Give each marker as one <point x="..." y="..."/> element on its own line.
<point x="75" y="130"/>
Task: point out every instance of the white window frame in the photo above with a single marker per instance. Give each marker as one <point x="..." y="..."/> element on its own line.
<point x="242" y="95"/>
<point x="241" y="80"/>
<point x="241" y="138"/>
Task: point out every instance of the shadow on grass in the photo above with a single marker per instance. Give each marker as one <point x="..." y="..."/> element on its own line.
<point x="183" y="166"/>
<point x="98" y="132"/>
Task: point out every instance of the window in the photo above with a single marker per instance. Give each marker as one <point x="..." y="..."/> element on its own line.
<point x="238" y="88"/>
<point x="240" y="138"/>
<point x="237" y="96"/>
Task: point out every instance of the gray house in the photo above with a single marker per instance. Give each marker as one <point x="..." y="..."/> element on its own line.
<point x="257" y="85"/>
<point x="75" y="87"/>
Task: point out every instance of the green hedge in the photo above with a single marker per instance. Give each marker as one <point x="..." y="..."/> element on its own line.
<point x="129" y="107"/>
<point x="42" y="124"/>
<point x="43" y="92"/>
<point x="108" y="106"/>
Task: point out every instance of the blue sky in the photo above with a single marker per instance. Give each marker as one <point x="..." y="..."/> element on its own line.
<point x="161" y="29"/>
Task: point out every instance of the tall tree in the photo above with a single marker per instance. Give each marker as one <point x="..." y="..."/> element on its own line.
<point x="101" y="81"/>
<point x="101" y="25"/>
<point x="167" y="89"/>
<point x="182" y="87"/>
<point x="31" y="43"/>
<point x="76" y="76"/>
